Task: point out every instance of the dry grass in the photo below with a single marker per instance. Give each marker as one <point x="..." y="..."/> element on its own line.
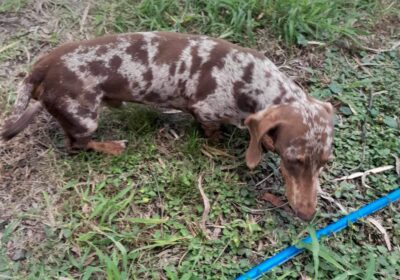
<point x="29" y="166"/>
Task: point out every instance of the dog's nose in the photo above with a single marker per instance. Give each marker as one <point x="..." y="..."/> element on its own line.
<point x="306" y="215"/>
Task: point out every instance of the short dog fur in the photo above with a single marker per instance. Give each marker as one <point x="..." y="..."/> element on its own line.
<point x="214" y="80"/>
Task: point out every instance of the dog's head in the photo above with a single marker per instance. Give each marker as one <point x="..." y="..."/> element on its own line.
<point x="302" y="135"/>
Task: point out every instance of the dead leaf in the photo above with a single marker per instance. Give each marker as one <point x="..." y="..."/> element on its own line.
<point x="382" y="230"/>
<point x="207" y="154"/>
<point x="216" y="152"/>
<point x="276" y="201"/>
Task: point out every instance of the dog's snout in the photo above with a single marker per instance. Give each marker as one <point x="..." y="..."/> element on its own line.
<point x="306" y="215"/>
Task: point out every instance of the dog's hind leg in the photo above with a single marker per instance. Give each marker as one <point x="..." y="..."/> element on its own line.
<point x="114" y="103"/>
<point x="79" y="123"/>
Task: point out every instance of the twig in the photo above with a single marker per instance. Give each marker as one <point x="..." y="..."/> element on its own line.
<point x="222" y="251"/>
<point x="84" y="16"/>
<point x="379" y="92"/>
<point x="28" y="55"/>
<point x="263" y="180"/>
<point x="362" y="66"/>
<point x="206" y="203"/>
<point x="395" y="46"/>
<point x="360" y="174"/>
<point x="183" y="256"/>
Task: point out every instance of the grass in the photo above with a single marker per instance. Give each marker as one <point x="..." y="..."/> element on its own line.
<point x="295" y="22"/>
<point x="11" y="5"/>
<point x="138" y="215"/>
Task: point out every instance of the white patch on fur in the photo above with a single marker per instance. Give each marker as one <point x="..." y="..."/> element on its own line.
<point x="90" y="124"/>
<point x="293" y="152"/>
<point x="152" y="46"/>
<point x="295" y="193"/>
<point x="205" y="46"/>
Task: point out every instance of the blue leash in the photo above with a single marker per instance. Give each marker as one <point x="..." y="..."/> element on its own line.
<point x="342" y="223"/>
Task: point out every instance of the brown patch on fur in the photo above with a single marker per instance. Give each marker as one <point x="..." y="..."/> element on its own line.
<point x="182" y="68"/>
<point x="97" y="68"/>
<point x="148" y="76"/>
<point x="115" y="62"/>
<point x="112" y="102"/>
<point x="172" y="69"/>
<point x="116" y="87"/>
<point x="237" y="86"/>
<point x="207" y="83"/>
<point x="289" y="100"/>
<point x="282" y="89"/>
<point x="181" y="86"/>
<point x="277" y="100"/>
<point x="70" y="85"/>
<point x="248" y="73"/>
<point x="152" y="96"/>
<point x="196" y="60"/>
<point x="170" y="52"/>
<point x="246" y="103"/>
<point x="137" y="50"/>
<point x="244" y="100"/>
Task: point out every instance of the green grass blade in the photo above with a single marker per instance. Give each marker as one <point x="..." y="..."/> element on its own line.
<point x="371" y="266"/>
<point x="315" y="250"/>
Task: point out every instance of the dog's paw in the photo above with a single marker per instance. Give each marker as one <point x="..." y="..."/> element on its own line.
<point x="114" y="148"/>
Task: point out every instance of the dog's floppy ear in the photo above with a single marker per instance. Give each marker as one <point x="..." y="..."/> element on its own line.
<point x="259" y="124"/>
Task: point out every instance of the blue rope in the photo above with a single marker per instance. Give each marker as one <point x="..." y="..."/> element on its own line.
<point x="342" y="223"/>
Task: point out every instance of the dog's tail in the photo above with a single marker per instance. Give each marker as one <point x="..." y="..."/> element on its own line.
<point x="11" y="129"/>
<point x="21" y="114"/>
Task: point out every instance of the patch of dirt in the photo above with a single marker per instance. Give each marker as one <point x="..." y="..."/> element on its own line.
<point x="294" y="61"/>
<point x="29" y="170"/>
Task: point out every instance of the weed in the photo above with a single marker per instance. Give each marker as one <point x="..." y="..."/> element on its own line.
<point x="12" y="5"/>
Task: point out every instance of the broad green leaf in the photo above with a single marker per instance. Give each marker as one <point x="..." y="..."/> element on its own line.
<point x="391" y="122"/>
<point x="336" y="88"/>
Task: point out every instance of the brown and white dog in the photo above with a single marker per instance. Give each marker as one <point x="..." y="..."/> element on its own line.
<point x="214" y="80"/>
